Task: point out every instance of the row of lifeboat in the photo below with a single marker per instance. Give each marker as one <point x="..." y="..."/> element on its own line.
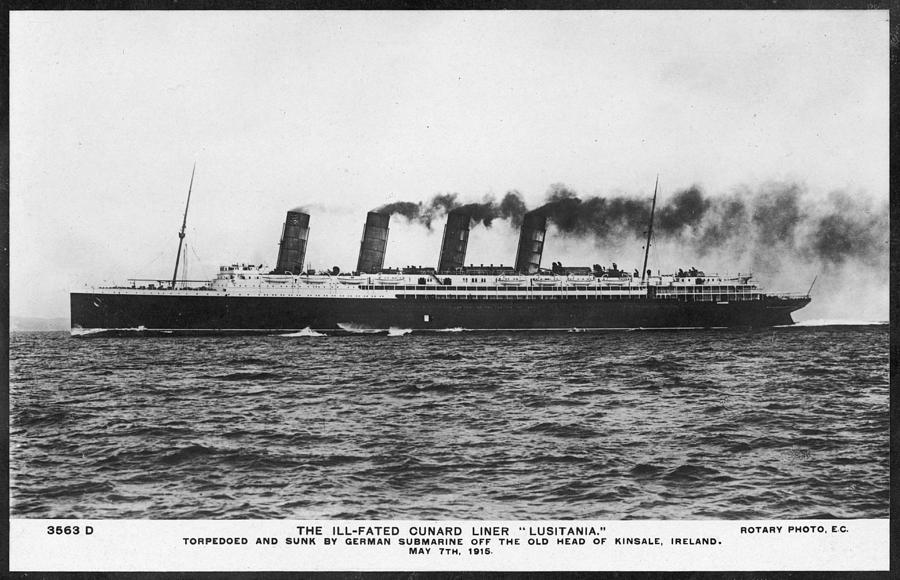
<point x="570" y="280"/>
<point x="394" y="280"/>
<point x="347" y="279"/>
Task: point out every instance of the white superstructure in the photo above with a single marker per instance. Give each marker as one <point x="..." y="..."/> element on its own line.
<point x="256" y="280"/>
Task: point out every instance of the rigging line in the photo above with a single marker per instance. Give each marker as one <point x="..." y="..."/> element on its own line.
<point x="194" y="247"/>
<point x="184" y="267"/>
<point x="152" y="261"/>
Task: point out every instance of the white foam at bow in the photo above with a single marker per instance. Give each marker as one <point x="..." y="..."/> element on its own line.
<point x="838" y="322"/>
<point x="86" y="331"/>
<point x="357" y="328"/>
<point x="305" y="332"/>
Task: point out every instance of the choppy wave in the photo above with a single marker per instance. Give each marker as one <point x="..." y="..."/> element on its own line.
<point x="245" y="376"/>
<point x="477" y="425"/>
<point x="394" y="331"/>
<point x="454" y="329"/>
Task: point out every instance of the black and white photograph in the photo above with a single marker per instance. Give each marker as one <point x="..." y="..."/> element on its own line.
<point x="437" y="266"/>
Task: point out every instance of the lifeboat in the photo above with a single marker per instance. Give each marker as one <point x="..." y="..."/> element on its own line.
<point x="545" y="281"/>
<point x="277" y="278"/>
<point x="576" y="280"/>
<point x="314" y="279"/>
<point x="622" y="279"/>
<point x="512" y="280"/>
<point x="388" y="280"/>
<point x="351" y="280"/>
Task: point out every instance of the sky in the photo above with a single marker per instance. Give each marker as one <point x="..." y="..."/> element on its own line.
<point x="342" y="112"/>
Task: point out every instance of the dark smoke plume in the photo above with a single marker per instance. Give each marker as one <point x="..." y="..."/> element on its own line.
<point x="423" y="213"/>
<point x="411" y="211"/>
<point x="596" y="217"/>
<point x="772" y="223"/>
<point x="484" y="213"/>
<point x="443" y="203"/>
<point x="511" y="208"/>
<point x="853" y="231"/>
<point x="565" y="210"/>
<point x="685" y="209"/>
<point x="725" y="220"/>
<point x="777" y="213"/>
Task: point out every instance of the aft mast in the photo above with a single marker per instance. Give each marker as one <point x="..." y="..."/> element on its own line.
<point x="649" y="230"/>
<point x="183" y="226"/>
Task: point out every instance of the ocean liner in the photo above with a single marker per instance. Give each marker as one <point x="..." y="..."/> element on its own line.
<point x="252" y="298"/>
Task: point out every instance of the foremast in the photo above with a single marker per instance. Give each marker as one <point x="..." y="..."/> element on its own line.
<point x="649" y="231"/>
<point x="183" y="226"/>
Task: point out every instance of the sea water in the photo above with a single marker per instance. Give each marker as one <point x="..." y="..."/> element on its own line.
<point x="688" y="424"/>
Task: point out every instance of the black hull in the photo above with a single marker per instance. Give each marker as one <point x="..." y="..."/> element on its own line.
<point x="218" y="313"/>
